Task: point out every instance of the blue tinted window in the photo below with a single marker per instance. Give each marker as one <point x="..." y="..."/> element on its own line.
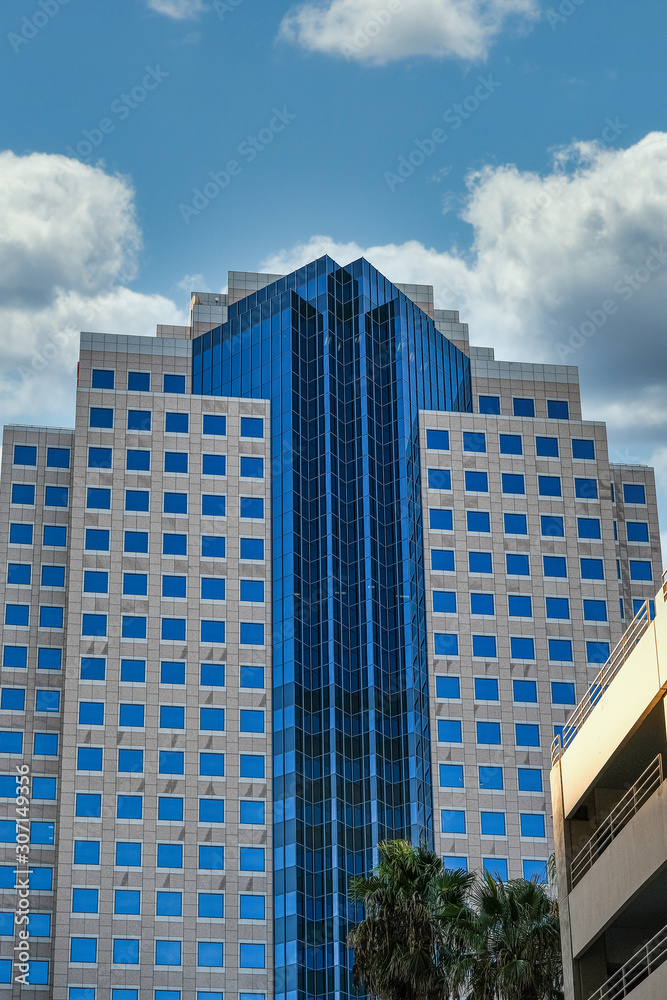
<point x="136" y="500"/>
<point x="517" y="564"/>
<point x="449" y="731"/>
<point x="474" y="441"/>
<point x="57" y="458"/>
<point x="523" y="407"/>
<point x="86" y="852"/>
<point x="170" y="807"/>
<point x="530" y="779"/>
<point x="489" y="404"/>
<point x="249" y="590"/>
<point x="546" y="447"/>
<point x="95" y="582"/>
<point x="522" y="648"/>
<point x="53" y="576"/>
<point x="169" y="904"/>
<point x="88" y="804"/>
<point x="169" y="856"/>
<point x="91" y="713"/>
<point x="527" y="734"/>
<point x="19" y="573"/>
<point x="637" y="531"/>
<point x="532" y="825"/>
<point x="439" y="479"/>
<point x="212" y="764"/>
<point x="486" y="689"/>
<point x="583" y="448"/>
<point x="552" y="526"/>
<point x="131" y="716"/>
<point x="252" y="427"/>
<point x="175" y="461"/>
<point x="135" y="584"/>
<point x="174" y="383"/>
<point x="127" y="901"/>
<point x="46" y="744"/>
<point x="525" y="691"/>
<point x="446" y="644"/>
<point x="23" y="493"/>
<point x="49" y="658"/>
<point x="92" y="668"/>
<point x="520" y="606"/>
<point x="89" y="758"/>
<point x="56" y="496"/>
<point x="493" y="824"/>
<point x="12" y="700"/>
<point x="442" y="559"/>
<point x="213" y="505"/>
<point x="447" y="687"/>
<point x="562" y="693"/>
<point x="55" y="535"/>
<point x="131" y="760"/>
<point x="640" y="569"/>
<point x="476" y="482"/>
<point x="20" y="534"/>
<point x="482" y="604"/>
<point x="252" y="468"/>
<point x="251" y="813"/>
<point x="125" y="951"/>
<point x="94" y="625"/>
<point x="555" y="566"/>
<point x="97" y="540"/>
<point x="129" y="806"/>
<point x="453" y="820"/>
<point x="174" y="545"/>
<point x="138" y="460"/>
<point x="138" y="381"/>
<point x="11" y="743"/>
<point x="139" y="420"/>
<point x="634" y="493"/>
<point x="25" y="454"/>
<point x="133" y="671"/>
<point x="101" y="417"/>
<point x="172" y="717"/>
<point x="85" y="901"/>
<point x="251" y="721"/>
<point x="251" y="766"/>
<point x="595" y="611"/>
<point x="478" y="520"/>
<point x="510" y="444"/>
<point x="251" y="677"/>
<point x="558" y="409"/>
<point x="558" y="607"/>
<point x="444" y="601"/>
<point x="17" y="614"/>
<point x="560" y="650"/>
<point x="214" y="465"/>
<point x="214" y="424"/>
<point x="136" y="541"/>
<point x="586" y="489"/>
<point x="490" y="777"/>
<point x="549" y="486"/>
<point x="174" y="586"/>
<point x="451" y="776"/>
<point x="488" y="733"/>
<point x="252" y="548"/>
<point x="83" y="949"/>
<point x="214" y="631"/>
<point x="251" y="907"/>
<point x="212" y="719"/>
<point x="128" y="855"/>
<point x="176" y="423"/>
<point x="512" y="483"/>
<point x="515" y="524"/>
<point x="213" y="546"/>
<point x="98" y="499"/>
<point x="15" y="656"/>
<point x="480" y="562"/>
<point x="100" y="458"/>
<point x="211" y="810"/>
<point x="173" y="629"/>
<point x="172" y="673"/>
<point x="597" y="652"/>
<point x="102" y="379"/>
<point x="451" y="863"/>
<point x="437" y="440"/>
<point x="440" y="520"/>
<point x="592" y="569"/>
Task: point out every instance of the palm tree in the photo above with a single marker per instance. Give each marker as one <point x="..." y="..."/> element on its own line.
<point x="505" y="944"/>
<point x="397" y="948"/>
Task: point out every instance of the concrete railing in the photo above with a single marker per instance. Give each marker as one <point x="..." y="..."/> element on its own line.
<point x="635" y="970"/>
<point x="620" y="653"/>
<point x="617" y="819"/>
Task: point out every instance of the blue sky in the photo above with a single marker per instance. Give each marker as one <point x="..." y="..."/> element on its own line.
<point x="533" y="206"/>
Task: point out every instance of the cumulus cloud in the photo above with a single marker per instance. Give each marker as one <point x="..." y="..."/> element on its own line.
<point x="69" y="248"/>
<point x="568" y="267"/>
<point x="179" y="10"/>
<point x="382" y="31"/>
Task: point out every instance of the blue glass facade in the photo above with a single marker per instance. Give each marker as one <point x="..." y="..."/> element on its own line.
<point x="347" y="362"/>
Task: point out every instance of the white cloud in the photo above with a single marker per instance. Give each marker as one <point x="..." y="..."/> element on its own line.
<point x="382" y="31"/>
<point x="179" y="10"/>
<point x="70" y="245"/>
<point x="570" y="267"/>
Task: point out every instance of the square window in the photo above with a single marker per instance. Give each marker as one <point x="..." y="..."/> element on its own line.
<point x="251" y="467"/>
<point x="136" y="541"/>
<point x="595" y="611"/>
<point x="560" y="650"/>
<point x="169" y="904"/>
<point x="496" y="867"/>
<point x="129" y="806"/>
<point x="251" y="721"/>
<point x="23" y="493"/>
<point x="558" y="409"/>
<point x="100" y="458"/>
<point x="45" y="744"/>
<point x="97" y="540"/>
<point x="102" y="379"/>
<point x="453" y="863"/>
<point x="530" y="779"/>
<point x="549" y="486"/>
<point x="125" y="951"/>
<point x="511" y="444"/>
<point x="85" y="901"/>
<point x="101" y="417"/>
<point x="86" y="852"/>
<point x="474" y="441"/>
<point x="11" y="743"/>
<point x="98" y="499"/>
<point x="440" y="520"/>
<point x="252" y="956"/>
<point x="25" y="454"/>
<point x="56" y="496"/>
<point x="131" y="761"/>
<point x="527" y="734"/>
<point x="133" y="627"/>
<point x="555" y="566"/>
<point x="634" y="493"/>
<point x="55" y="535"/>
<point x="135" y="584"/>
<point x="139" y="381"/>
<point x="522" y="648"/>
<point x="637" y="531"/>
<point x="586" y="489"/>
<point x="476" y="482"/>
<point x="249" y="590"/>
<point x="488" y="733"/>
<point x="251" y="765"/>
<point x="172" y="673"/>
<point x="251" y="677"/>
<point x="133" y="671"/>
<point x="50" y="617"/>
<point x="449" y="731"/>
<point x="558" y="608"/>
<point x="546" y="447"/>
<point x="49" y="658"/>
<point x="444" y="602"/>
<point x="552" y="526"/>
<point x="172" y="717"/>
<point x="482" y="604"/>
<point x="47" y="701"/>
<point x="252" y="907"/>
<point x="214" y="632"/>
<point x="442" y="560"/>
<point x="252" y="427"/>
<point x="451" y="776"/>
<point x="478" y="521"/>
<point x="131" y="716"/>
<point x="515" y="524"/>
<point x="489" y="404"/>
<point x="583" y="448"/>
<point x="213" y="674"/>
<point x="484" y="646"/>
<point x="447" y="687"/>
<point x="592" y="569"/>
<point x="214" y="424"/>
<point x="213" y="505"/>
<point x="453" y="820"/>
<point x="12" y="700"/>
<point x="251" y="634"/>
<point x="138" y="460"/>
<point x="212" y="719"/>
<point x="523" y="407"/>
<point x="174" y="383"/>
<point x="640" y="569"/>
<point x="57" y="458"/>
<point x="19" y="573"/>
<point x="44" y="788"/>
<point x="439" y="479"/>
<point x="175" y="503"/>
<point x="562" y="693"/>
<point x="174" y="586"/>
<point x="169" y="855"/>
<point x="174" y="545"/>
<point x="214" y="465"/>
<point x="128" y="855"/>
<point x="437" y="440"/>
<point x="446" y="644"/>
<point x="127" y="901"/>
<point x="532" y="825"/>
<point x="137" y="500"/>
<point x="212" y="857"/>
<point x="15" y="656"/>
<point x="39" y="925"/>
<point x="486" y="689"/>
<point x="520" y="606"/>
<point x="83" y="950"/>
<point x="173" y="629"/>
<point x="176" y="423"/>
<point x="251" y="813"/>
<point x="512" y="483"/>
<point x="490" y="778"/>
<point x="139" y="420"/>
<point x="492" y="824"/>
<point x="209" y="954"/>
<point x="211" y="810"/>
<point x="91" y="713"/>
<point x="525" y="691"/>
<point x="89" y="758"/>
<point x="480" y="562"/>
<point x="20" y="534"/>
<point x="251" y="548"/>
<point x="212" y="764"/>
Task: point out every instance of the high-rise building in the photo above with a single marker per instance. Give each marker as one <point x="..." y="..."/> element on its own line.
<point x="308" y="573"/>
